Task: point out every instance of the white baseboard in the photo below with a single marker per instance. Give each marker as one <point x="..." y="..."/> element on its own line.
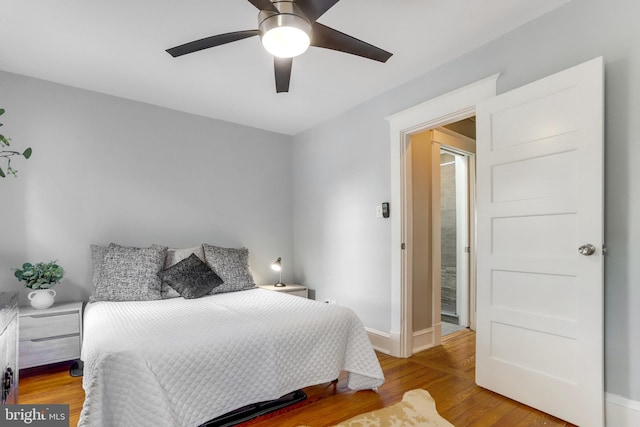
<point x="621" y="412"/>
<point x="386" y="343"/>
<point x="380" y="341"/>
<point x="423" y="340"/>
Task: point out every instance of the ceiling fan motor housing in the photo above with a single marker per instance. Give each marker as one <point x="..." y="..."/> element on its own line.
<point x="287" y="28"/>
<point x="289" y="16"/>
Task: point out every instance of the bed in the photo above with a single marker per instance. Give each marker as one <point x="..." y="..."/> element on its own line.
<point x="182" y="362"/>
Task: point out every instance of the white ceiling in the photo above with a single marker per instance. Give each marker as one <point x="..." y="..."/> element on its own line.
<point x="118" y="47"/>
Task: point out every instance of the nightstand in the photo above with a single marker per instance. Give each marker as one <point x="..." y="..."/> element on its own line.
<point x="291" y="289"/>
<point x="50" y="335"/>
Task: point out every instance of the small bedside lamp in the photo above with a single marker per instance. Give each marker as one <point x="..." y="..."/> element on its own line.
<point x="277" y="266"/>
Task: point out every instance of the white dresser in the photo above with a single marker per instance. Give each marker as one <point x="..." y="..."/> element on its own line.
<point x="9" y="347"/>
<point x="50" y="335"/>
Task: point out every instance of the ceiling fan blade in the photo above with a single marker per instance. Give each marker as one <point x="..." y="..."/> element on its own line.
<point x="282" y="68"/>
<point x="314" y="9"/>
<point x="264" y="5"/>
<point x="212" y="41"/>
<point x="328" y="38"/>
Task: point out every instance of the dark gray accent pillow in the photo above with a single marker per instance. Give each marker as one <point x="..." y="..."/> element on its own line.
<point x="191" y="277"/>
<point x="130" y="274"/>
<point x="232" y="265"/>
<point x="173" y="257"/>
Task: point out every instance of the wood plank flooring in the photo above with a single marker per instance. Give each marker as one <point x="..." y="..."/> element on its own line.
<point x="52" y="385"/>
<point x="446" y="372"/>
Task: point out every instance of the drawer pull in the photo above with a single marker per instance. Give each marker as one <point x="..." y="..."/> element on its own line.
<point x="54" y="338"/>
<point x="7" y="382"/>
<point x="59" y="313"/>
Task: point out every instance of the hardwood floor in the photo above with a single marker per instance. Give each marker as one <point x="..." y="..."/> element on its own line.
<point x="52" y="385"/>
<point x="446" y="372"/>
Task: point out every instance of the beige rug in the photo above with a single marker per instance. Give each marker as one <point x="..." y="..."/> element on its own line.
<point x="417" y="408"/>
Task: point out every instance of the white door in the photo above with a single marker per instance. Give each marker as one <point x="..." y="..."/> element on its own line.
<point x="540" y="198"/>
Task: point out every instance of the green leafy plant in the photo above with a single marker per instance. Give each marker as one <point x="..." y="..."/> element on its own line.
<point x="8" y="154"/>
<point x="40" y="275"/>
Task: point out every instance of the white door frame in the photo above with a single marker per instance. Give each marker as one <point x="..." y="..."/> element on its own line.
<point x="445" y="109"/>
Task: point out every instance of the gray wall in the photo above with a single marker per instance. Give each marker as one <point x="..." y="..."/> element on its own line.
<point x="341" y="170"/>
<point x="105" y="169"/>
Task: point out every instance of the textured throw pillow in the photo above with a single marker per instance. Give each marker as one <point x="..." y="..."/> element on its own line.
<point x="130" y="274"/>
<point x="173" y="257"/>
<point x="97" y="255"/>
<point x="191" y="277"/>
<point x="232" y="265"/>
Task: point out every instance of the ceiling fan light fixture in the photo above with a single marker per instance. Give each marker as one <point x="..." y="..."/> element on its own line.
<point x="285" y="34"/>
<point x="286" y="42"/>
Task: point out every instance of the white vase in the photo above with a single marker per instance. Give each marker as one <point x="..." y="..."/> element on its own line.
<point x="41" y="298"/>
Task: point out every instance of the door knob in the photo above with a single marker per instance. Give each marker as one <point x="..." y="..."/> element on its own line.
<point x="587" y="249"/>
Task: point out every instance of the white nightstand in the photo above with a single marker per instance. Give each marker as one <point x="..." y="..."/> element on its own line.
<point x="50" y="335"/>
<point x="291" y="289"/>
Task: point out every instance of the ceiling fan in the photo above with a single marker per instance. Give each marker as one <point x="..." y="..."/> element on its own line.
<point x="287" y="28"/>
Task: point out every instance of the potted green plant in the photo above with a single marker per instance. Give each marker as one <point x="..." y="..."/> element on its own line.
<point x="8" y="154"/>
<point x="40" y="277"/>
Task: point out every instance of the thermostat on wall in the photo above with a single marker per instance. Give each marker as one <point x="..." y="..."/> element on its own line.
<point x="385" y="210"/>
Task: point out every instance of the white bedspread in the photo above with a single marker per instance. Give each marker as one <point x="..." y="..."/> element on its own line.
<point x="180" y="362"/>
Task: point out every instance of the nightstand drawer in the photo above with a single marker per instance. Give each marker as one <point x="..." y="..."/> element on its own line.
<point x="302" y="294"/>
<point x="290" y="289"/>
<point x="49" y="350"/>
<point x="36" y="326"/>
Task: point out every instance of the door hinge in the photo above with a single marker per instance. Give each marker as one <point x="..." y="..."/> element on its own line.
<point x="402" y="246"/>
<point x="467" y="249"/>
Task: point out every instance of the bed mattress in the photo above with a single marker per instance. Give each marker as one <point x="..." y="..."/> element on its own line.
<point x="180" y="362"/>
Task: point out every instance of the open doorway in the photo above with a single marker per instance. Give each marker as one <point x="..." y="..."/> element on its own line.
<point x="441" y="188"/>
<point x="454" y="241"/>
<point x="406" y="336"/>
<point x="456" y="211"/>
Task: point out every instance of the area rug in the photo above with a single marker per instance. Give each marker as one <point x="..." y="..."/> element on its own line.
<point x="417" y="408"/>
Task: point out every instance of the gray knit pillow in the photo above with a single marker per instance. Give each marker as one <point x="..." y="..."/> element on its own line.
<point x="232" y="265"/>
<point x="130" y="274"/>
<point x="191" y="277"/>
<point x="173" y="257"/>
<point x="97" y="255"/>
